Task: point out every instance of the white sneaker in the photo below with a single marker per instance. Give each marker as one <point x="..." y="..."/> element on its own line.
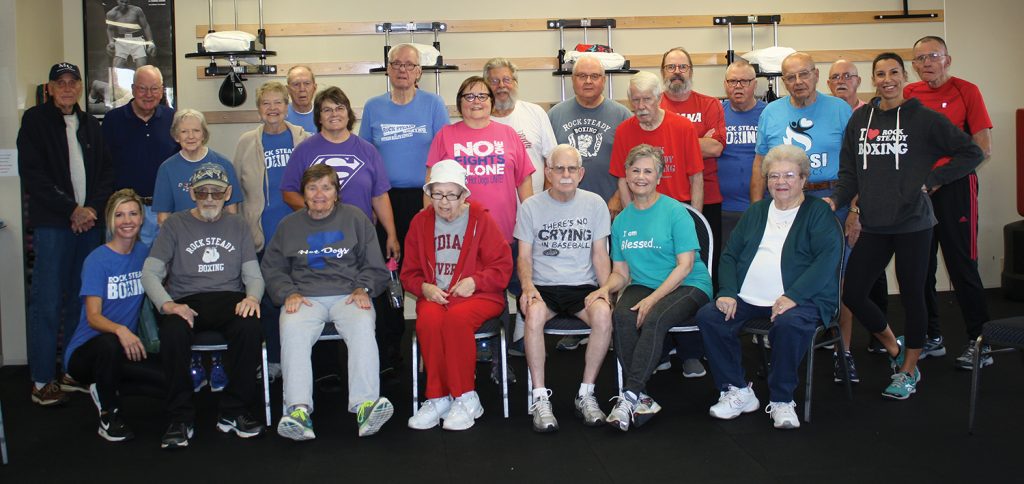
<point x="472" y="402"/>
<point x="735" y="401"/>
<point x="783" y="414"/>
<point x="458" y="417"/>
<point x="430" y="413"/>
<point x="543" y="417"/>
<point x="621" y="414"/>
<point x="588" y="409"/>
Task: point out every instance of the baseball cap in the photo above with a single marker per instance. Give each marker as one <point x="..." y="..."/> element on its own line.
<point x="62" y="68"/>
<point x="209" y="174"/>
<point x="447" y="171"/>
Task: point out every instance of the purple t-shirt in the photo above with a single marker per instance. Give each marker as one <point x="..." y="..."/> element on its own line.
<point x="358" y="164"/>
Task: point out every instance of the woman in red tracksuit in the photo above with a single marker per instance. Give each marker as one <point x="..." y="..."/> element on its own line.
<point x="458" y="266"/>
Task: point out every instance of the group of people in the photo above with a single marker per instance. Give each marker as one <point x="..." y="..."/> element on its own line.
<point x="586" y="211"/>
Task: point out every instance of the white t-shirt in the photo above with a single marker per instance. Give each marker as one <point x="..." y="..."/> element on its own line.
<point x="763" y="284"/>
<point x="534" y="128"/>
<point x="75" y="159"/>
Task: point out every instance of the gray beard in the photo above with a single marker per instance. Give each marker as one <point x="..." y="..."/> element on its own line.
<point x="679" y="89"/>
<point x="505" y="105"/>
<point x="210" y="214"/>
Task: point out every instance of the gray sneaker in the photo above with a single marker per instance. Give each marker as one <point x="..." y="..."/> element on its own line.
<point x="933" y="347"/>
<point x="966" y="359"/>
<point x="692" y="368"/>
<point x="543" y="418"/>
<point x="588" y="409"/>
<point x="571" y="342"/>
<point x="622" y="414"/>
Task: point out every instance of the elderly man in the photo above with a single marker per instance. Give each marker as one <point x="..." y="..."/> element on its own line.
<point x="129" y="35"/>
<point x="202" y="274"/>
<point x="588" y="122"/>
<point x="66" y="173"/>
<point x="563" y="256"/>
<point x="301" y="88"/>
<point x="528" y="119"/>
<point x="843" y="81"/>
<point x="742" y="111"/>
<point x="815" y="122"/>
<point x="138" y="135"/>
<point x="956" y="204"/>
<point x="401" y="124"/>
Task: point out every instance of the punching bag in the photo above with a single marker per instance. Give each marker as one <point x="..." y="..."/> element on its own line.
<point x="232" y="91"/>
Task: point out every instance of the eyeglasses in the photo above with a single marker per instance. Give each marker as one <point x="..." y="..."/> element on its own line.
<point x="148" y="89"/>
<point x="846" y="76"/>
<point x="403" y="66"/>
<point x="337" y="109"/>
<point x="504" y="80"/>
<point x="571" y="169"/>
<point x="787" y="176"/>
<point x="451" y="197"/>
<point x="802" y="75"/>
<point x="583" y="77"/>
<point x="645" y="101"/>
<point x="676" y="67"/>
<point x="739" y="82"/>
<point x="206" y="195"/>
<point x="932" y="56"/>
<point x="473" y="97"/>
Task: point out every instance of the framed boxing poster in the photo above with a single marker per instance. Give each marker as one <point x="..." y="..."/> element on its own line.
<point x="121" y="36"/>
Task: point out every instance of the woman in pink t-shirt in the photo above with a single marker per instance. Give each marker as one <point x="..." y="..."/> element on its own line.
<point x="498" y="168"/>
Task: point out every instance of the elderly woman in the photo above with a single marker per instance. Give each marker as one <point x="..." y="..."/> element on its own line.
<point x="656" y="264"/>
<point x="323" y="265"/>
<point x="171" y="192"/>
<point x="260" y="161"/>
<point x="889" y="158"/>
<point x="106" y="345"/>
<point x="457" y="267"/>
<point x="781" y="263"/>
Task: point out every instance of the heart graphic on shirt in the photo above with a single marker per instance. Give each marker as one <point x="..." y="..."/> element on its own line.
<point x="873" y="133"/>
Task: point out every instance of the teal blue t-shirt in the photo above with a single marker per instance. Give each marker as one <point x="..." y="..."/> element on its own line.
<point x="649" y="240"/>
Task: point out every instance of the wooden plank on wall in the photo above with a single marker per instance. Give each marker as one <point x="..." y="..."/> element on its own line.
<point x="534" y="25"/>
<point x="548" y="63"/>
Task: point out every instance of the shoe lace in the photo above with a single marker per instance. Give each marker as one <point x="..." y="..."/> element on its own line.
<point x="784" y="407"/>
<point x="623" y="404"/>
<point x="589" y="403"/>
<point x="542" y="408"/>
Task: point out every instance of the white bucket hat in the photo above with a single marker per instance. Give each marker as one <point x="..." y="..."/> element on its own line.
<point x="447" y="171"/>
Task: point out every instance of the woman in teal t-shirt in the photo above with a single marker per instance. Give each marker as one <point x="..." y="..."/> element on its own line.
<point x="656" y="264"/>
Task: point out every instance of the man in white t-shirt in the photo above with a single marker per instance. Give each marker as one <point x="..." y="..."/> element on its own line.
<point x="563" y="257"/>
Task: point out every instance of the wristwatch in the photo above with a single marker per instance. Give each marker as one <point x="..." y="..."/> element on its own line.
<point x="367" y="290"/>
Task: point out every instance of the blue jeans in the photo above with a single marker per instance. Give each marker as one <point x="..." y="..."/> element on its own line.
<point x="790" y="334"/>
<point x="54" y="305"/>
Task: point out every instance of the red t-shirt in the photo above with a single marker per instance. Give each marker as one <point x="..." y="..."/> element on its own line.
<point x="677" y="138"/>
<point x="705" y="112"/>
<point x="956" y="99"/>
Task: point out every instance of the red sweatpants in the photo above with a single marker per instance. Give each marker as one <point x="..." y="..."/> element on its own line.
<point x="446" y="341"/>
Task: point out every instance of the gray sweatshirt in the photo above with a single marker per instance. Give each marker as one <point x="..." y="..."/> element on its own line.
<point x="327" y="257"/>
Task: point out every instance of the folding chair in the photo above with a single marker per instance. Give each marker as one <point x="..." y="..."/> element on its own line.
<point x="214" y="341"/>
<point x="559" y="326"/>
<point x="1007" y="332"/>
<point x="491" y="328"/>
<point x="3" y="438"/>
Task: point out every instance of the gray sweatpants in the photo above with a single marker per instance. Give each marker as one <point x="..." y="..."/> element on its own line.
<point x="300" y="330"/>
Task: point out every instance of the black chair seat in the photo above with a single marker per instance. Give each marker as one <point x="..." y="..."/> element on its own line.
<point x="209" y="339"/>
<point x="1005" y="332"/>
<point x="490" y="328"/>
<point x="330" y="333"/>
<point x="759" y="326"/>
<point x="562" y="325"/>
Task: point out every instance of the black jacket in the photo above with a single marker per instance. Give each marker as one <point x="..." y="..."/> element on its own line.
<point x="44" y="166"/>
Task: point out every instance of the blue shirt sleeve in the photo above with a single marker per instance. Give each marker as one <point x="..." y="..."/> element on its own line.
<point x="94" y="282"/>
<point x="761" y="148"/>
<point x="441" y="118"/>
<point x="381" y="182"/>
<point x="236" y="191"/>
<point x="163" y="198"/>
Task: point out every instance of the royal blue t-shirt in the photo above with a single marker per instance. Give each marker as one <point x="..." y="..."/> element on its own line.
<point x="303" y="120"/>
<point x="171" y="193"/>
<point x="738" y="156"/>
<point x="117" y="280"/>
<point x="277" y="150"/>
<point x="817" y="128"/>
<point x="403" y="133"/>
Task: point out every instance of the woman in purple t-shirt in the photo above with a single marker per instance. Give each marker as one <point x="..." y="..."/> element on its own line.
<point x="361" y="173"/>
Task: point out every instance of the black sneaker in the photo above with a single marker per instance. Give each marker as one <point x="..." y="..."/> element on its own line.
<point x="242" y="425"/>
<point x="113" y="428"/>
<point x="875" y="346"/>
<point x="176" y="436"/>
<point x="837" y="368"/>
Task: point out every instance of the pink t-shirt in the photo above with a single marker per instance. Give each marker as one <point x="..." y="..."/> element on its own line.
<point x="497" y="164"/>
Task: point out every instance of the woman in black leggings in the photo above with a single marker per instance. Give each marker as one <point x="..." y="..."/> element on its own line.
<point x="895" y="152"/>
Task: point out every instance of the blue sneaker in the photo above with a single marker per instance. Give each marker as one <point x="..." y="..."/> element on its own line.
<point x="897" y="362"/>
<point x="933" y="347"/>
<point x="903" y="385"/>
<point x="218" y="377"/>
<point x="837" y="368"/>
<point x="198" y="373"/>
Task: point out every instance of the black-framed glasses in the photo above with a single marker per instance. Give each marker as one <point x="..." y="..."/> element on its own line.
<point x="931" y="56"/>
<point x="403" y="66"/>
<point x="206" y="195"/>
<point x="739" y="82"/>
<point x="846" y="76"/>
<point x="676" y="67"/>
<point x="571" y="169"/>
<point x="474" y="97"/>
<point x="451" y="197"/>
